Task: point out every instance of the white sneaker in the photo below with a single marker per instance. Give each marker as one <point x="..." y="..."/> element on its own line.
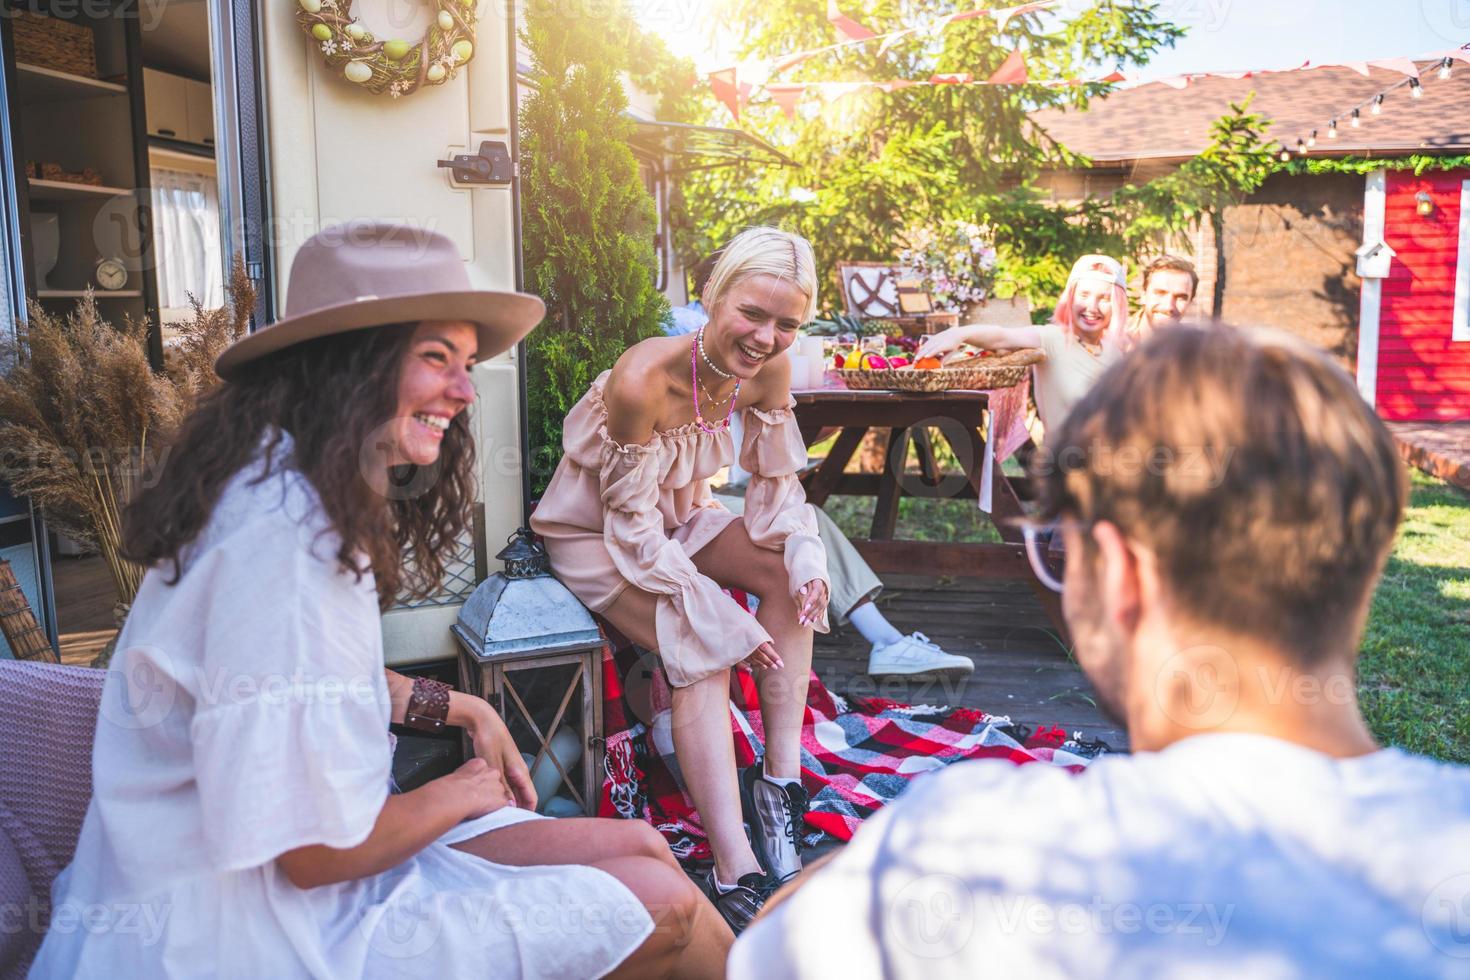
<point x="914" y="654"/>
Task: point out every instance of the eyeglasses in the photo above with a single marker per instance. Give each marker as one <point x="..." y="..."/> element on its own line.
<point x="1044" y="552"/>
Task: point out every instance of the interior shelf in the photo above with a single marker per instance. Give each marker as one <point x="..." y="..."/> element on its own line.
<point x="64" y="190"/>
<point x="37" y="84"/>
<point x="98" y="293"/>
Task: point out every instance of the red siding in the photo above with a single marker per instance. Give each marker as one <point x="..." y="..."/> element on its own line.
<point x="1422" y="374"/>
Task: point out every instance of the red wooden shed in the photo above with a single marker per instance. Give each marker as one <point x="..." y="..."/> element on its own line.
<point x="1414" y="338"/>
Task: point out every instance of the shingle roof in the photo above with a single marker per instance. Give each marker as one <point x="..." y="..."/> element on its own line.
<point x="1156" y="121"/>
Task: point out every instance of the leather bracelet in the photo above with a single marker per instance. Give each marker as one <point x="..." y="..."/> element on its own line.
<point x="428" y="706"/>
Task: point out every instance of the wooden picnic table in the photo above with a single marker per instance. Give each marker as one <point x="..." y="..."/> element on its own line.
<point x="916" y="418"/>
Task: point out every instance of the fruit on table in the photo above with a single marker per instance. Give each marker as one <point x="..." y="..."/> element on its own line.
<point x="927" y="364"/>
<point x="898" y="362"/>
<point x="874" y="362"/>
<point x="839" y="360"/>
<point x="854" y="360"/>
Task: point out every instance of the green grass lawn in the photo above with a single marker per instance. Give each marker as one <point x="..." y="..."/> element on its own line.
<point x="1414" y="675"/>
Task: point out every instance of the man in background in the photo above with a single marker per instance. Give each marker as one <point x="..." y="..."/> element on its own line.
<point x="1169" y="285"/>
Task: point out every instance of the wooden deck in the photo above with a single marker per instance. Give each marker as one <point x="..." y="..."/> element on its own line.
<point x="1020" y="668"/>
<point x="1441" y="449"/>
<point x="84" y="600"/>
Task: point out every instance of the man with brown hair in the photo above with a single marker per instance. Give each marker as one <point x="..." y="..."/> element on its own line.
<point x="1227" y="502"/>
<point x="1169" y="285"/>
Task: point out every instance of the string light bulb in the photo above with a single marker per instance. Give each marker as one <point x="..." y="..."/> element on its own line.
<point x="1415" y="89"/>
<point x="1378" y="105"/>
<point x="1312" y="140"/>
<point x="1285" y="156"/>
<point x="1446" y="67"/>
<point x="1301" y="147"/>
<point x="1332" y="130"/>
<point x="1357" y="119"/>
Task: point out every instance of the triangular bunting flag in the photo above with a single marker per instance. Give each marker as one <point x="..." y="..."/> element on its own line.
<point x="951" y="78"/>
<point x="728" y="89"/>
<point x="787" y="96"/>
<point x="1011" y="72"/>
<point x="845" y="25"/>
<point x="1003" y="17"/>
<point x="1405" y="66"/>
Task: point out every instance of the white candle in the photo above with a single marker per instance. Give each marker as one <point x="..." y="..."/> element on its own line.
<point x="801" y="371"/>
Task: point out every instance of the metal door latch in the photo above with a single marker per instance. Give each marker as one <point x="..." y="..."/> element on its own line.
<point x="492" y="165"/>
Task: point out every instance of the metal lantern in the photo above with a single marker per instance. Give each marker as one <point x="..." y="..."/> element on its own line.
<point x="530" y="648"/>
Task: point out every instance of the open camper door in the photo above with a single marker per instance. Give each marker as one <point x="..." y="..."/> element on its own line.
<point x="336" y="152"/>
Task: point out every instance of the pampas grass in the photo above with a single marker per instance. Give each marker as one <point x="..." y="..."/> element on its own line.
<point x="82" y="413"/>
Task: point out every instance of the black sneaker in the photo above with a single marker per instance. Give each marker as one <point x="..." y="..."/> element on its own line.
<point x="774" y="812"/>
<point x="738" y="905"/>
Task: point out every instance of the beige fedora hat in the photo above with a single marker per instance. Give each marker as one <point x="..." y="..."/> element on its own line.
<point x="367" y="274"/>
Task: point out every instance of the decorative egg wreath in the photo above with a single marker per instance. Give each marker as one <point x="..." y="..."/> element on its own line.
<point x="396" y="66"/>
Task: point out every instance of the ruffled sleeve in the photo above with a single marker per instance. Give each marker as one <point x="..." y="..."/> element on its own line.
<point x="777" y="515"/>
<point x="700" y="629"/>
<point x="290" y="727"/>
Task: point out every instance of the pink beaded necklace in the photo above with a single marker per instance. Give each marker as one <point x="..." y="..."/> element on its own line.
<point x="694" y="383"/>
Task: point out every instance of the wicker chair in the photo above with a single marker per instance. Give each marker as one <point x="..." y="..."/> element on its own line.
<point x="48" y="717"/>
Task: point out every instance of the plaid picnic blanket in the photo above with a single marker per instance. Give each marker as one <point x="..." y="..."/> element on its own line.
<point x="857" y="754"/>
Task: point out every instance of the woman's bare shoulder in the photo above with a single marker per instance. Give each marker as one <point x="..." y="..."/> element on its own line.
<point x="637" y="388"/>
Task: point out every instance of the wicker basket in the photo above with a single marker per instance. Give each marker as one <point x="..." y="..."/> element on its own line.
<point x="979" y="374"/>
<point x="50" y="42"/>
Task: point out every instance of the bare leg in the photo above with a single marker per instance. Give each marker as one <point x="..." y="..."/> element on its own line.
<point x="690" y="939"/>
<point x="701" y="726"/>
<point x="701" y="729"/>
<point x="733" y="560"/>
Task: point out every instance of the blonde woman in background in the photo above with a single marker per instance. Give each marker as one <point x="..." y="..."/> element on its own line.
<point x="631" y="528"/>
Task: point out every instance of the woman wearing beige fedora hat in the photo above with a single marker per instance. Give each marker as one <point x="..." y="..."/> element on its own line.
<point x="631" y="528"/>
<point x="241" y="801"/>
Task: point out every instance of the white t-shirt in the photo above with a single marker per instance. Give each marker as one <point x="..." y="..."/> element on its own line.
<point x="1067" y="373"/>
<point x="245" y="714"/>
<point x="1223" y="855"/>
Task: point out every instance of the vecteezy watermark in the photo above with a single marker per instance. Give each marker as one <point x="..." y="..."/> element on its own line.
<point x="417" y="914"/>
<point x="145" y="920"/>
<point x="140" y="468"/>
<point x="1204" y="465"/>
<point x="1099" y="916"/>
<point x="1201" y="687"/>
<point x="937" y="916"/>
<point x="1446" y="916"/>
<point x="146" y="683"/>
<point x="117" y="234"/>
<point x="1448" y="19"/>
<point x="1208" y="15"/>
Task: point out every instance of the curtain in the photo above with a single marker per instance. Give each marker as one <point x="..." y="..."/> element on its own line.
<point x="186" y="240"/>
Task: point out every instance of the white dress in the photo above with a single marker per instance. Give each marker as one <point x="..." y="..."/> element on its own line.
<point x="245" y="714"/>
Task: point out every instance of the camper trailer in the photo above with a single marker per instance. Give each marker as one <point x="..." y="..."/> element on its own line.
<point x="149" y="145"/>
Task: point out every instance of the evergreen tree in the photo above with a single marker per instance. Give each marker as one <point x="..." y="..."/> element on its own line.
<point x="588" y="223"/>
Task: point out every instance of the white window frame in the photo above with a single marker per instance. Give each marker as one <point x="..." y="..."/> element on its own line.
<point x="1460" y="331"/>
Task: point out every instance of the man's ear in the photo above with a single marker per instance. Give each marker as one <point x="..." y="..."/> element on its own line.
<point x="1117" y="576"/>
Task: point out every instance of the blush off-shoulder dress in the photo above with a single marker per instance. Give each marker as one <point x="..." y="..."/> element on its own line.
<point x="618" y="515"/>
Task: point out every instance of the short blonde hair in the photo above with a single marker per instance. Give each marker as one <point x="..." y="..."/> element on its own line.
<point x="764" y="251"/>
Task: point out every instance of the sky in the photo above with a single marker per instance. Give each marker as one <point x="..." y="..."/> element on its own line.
<point x="1224" y="35"/>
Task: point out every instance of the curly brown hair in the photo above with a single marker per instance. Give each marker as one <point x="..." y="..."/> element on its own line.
<point x="332" y="395"/>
